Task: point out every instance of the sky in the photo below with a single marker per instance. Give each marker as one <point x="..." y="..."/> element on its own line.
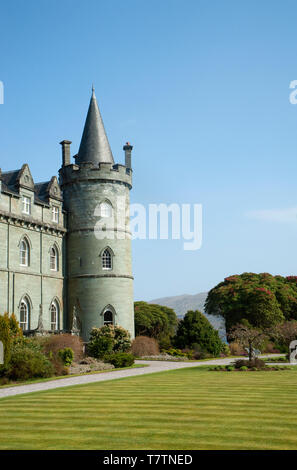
<point x="201" y="90"/>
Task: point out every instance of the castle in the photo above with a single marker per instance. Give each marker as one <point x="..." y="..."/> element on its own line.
<point x="65" y="245"/>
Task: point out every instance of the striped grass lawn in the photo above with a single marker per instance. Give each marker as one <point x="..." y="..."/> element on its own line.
<point x="181" y="409"/>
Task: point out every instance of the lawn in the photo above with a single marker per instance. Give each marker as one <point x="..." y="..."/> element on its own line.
<point x="182" y="409"/>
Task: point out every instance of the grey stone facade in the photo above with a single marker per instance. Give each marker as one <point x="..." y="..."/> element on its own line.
<point x="52" y="263"/>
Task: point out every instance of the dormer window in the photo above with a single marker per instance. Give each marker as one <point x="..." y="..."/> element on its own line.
<point x="55" y="214"/>
<point x="26" y="205"/>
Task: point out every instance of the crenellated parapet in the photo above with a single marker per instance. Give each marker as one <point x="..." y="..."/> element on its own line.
<point x="102" y="172"/>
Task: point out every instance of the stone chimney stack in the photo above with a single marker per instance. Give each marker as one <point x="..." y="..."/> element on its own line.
<point x="66" y="152"/>
<point x="128" y="150"/>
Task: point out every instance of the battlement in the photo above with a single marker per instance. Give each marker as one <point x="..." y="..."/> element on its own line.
<point x="90" y="171"/>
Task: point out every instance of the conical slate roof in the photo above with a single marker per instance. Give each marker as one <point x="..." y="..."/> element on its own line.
<point x="94" y="146"/>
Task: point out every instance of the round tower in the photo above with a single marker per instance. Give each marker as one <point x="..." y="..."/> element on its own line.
<point x="98" y="245"/>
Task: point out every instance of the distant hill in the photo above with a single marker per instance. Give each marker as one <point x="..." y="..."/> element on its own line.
<point x="182" y="303"/>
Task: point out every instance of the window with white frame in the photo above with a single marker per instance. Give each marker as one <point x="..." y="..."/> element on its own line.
<point x="26" y="205"/>
<point x="105" y="209"/>
<point x="106" y="259"/>
<point x="54" y="259"/>
<point x="54" y="315"/>
<point x="24" y="253"/>
<point x="24" y="314"/>
<point x="55" y="214"/>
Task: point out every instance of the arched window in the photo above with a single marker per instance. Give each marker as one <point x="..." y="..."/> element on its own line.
<point x="24" y="314"/>
<point x="105" y="209"/>
<point x="54" y="259"/>
<point x="54" y="316"/>
<point x="106" y="259"/>
<point x="108" y="318"/>
<point x="24" y="253"/>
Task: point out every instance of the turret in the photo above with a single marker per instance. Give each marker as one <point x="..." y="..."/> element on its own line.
<point x="96" y="197"/>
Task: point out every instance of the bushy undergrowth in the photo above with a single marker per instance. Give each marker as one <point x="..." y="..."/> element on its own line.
<point x="144" y="346"/>
<point x="108" y="339"/>
<point x="119" y="359"/>
<point x="52" y="344"/>
<point x="26" y="363"/>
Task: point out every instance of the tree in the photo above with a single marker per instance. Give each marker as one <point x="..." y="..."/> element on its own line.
<point x="9" y="330"/>
<point x="248" y="336"/>
<point x="155" y="321"/>
<point x="286" y="332"/>
<point x="261" y="299"/>
<point x="193" y="329"/>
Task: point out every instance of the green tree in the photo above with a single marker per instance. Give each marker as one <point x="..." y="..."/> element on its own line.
<point x="155" y="321"/>
<point x="9" y="331"/>
<point x="196" y="329"/>
<point x="261" y="299"/>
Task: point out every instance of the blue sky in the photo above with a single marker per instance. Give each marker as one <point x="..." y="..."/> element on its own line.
<point x="200" y="88"/>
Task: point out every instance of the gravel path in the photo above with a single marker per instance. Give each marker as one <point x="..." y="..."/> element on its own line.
<point x="154" y="366"/>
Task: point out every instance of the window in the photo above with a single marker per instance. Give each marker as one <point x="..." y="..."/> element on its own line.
<point x="105" y="209"/>
<point x="54" y="316"/>
<point x="26" y="205"/>
<point x="24" y="253"/>
<point x="55" y="214"/>
<point x="108" y="318"/>
<point x="24" y="314"/>
<point x="106" y="259"/>
<point x="54" y="259"/>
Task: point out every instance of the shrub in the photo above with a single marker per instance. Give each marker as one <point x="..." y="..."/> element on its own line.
<point x="258" y="363"/>
<point x="108" y="339"/>
<point x="271" y="348"/>
<point x="230" y="368"/>
<point x="100" y="345"/>
<point x="59" y="367"/>
<point x="243" y="368"/>
<point x="225" y="350"/>
<point x="144" y="346"/>
<point x="175" y="352"/>
<point x="5" y="337"/>
<point x="54" y="343"/>
<point x="254" y="363"/>
<point x="122" y="339"/>
<point x="9" y="330"/>
<point x="239" y="363"/>
<point x="120" y="359"/>
<point x="26" y="363"/>
<point x="66" y="355"/>
<point x="236" y="349"/>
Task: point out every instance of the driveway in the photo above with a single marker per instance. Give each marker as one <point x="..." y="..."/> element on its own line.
<point x="153" y="366"/>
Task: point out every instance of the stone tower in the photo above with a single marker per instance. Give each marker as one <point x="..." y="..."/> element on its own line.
<point x="96" y="198"/>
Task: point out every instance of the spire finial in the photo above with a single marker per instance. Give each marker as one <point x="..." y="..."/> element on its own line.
<point x="93" y="90"/>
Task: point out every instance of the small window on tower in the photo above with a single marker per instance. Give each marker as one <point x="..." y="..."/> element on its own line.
<point x="108" y="318"/>
<point x="106" y="259"/>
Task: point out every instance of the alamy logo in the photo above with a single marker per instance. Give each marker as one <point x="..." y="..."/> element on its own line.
<point x="1" y="93"/>
<point x="293" y="94"/>
<point x="157" y="221"/>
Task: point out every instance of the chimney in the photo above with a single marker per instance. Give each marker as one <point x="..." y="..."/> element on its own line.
<point x="66" y="152"/>
<point x="128" y="149"/>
